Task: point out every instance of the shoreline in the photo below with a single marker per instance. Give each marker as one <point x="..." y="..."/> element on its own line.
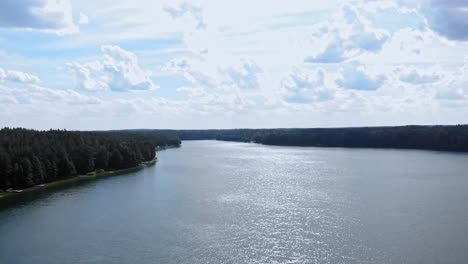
<point x="81" y="178"/>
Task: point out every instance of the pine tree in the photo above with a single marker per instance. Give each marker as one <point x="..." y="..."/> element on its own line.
<point x="5" y="171"/>
<point x="27" y="172"/>
<point x="38" y="170"/>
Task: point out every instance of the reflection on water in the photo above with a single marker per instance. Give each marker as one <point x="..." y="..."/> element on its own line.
<point x="220" y="202"/>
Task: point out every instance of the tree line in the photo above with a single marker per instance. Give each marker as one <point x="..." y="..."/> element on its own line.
<point x="447" y="138"/>
<point x="30" y="157"/>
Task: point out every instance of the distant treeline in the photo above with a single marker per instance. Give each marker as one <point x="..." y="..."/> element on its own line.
<point x="156" y="137"/>
<point x="29" y="157"/>
<point x="451" y="138"/>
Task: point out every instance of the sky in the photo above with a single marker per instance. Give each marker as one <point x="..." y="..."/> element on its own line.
<point x="114" y="64"/>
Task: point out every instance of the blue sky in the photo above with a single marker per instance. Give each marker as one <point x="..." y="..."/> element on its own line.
<point x="230" y="64"/>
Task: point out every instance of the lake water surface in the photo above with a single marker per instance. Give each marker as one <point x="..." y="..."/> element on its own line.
<point x="224" y="202"/>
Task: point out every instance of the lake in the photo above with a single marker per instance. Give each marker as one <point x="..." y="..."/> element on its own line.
<point x="225" y="202"/>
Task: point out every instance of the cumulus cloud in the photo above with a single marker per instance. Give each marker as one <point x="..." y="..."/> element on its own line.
<point x="456" y="88"/>
<point x="304" y="86"/>
<point x="17" y="76"/>
<point x="185" y="9"/>
<point x="243" y="76"/>
<point x="229" y="88"/>
<point x="118" y="71"/>
<point x="414" y="75"/>
<point x="45" y="15"/>
<point x="35" y="94"/>
<point x="355" y="76"/>
<point x="193" y="92"/>
<point x="42" y="94"/>
<point x="43" y="107"/>
<point x="18" y="87"/>
<point x="347" y="35"/>
<point x="447" y="18"/>
<point x="333" y="52"/>
<point x="185" y="67"/>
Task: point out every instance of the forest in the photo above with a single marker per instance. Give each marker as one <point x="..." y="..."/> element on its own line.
<point x="30" y="157"/>
<point x="448" y="138"/>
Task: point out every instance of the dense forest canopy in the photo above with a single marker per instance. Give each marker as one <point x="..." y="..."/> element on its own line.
<point x="29" y="157"/>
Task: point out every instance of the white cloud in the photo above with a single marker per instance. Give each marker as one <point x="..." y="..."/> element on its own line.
<point x="89" y="76"/>
<point x="456" y="87"/>
<point x="419" y="47"/>
<point x="305" y="86"/>
<point x="17" y="76"/>
<point x="213" y="88"/>
<point x="83" y="19"/>
<point x="191" y="70"/>
<point x="348" y="34"/>
<point x="357" y="77"/>
<point x="46" y="15"/>
<point x="417" y="75"/>
<point x="193" y="92"/>
<point x="30" y="105"/>
<point x="25" y="103"/>
<point x="185" y="9"/>
<point x="447" y="18"/>
<point x="118" y="71"/>
<point x="243" y="76"/>
<point x="40" y="96"/>
<point x="333" y="52"/>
